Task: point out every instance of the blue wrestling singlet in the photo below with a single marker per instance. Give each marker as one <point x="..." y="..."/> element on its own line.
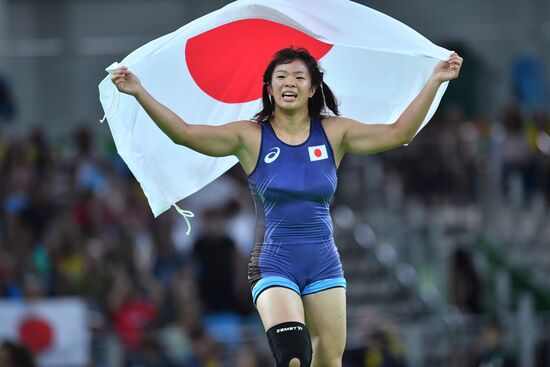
<point x="292" y="186"/>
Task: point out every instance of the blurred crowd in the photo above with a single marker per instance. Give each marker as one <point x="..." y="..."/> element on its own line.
<point x="74" y="222"/>
<point x="461" y="159"/>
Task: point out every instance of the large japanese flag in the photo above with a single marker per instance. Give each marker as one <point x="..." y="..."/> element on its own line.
<point x="210" y="71"/>
<point x="55" y="330"/>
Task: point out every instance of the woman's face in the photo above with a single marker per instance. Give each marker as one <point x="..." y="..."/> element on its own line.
<point x="291" y="85"/>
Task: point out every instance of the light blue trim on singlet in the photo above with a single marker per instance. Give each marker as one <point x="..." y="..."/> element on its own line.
<point x="276" y="281"/>
<point x="324" y="284"/>
<point x="272" y="281"/>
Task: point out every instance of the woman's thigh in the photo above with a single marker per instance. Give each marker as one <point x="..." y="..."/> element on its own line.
<point x="325" y="314"/>
<point x="277" y="305"/>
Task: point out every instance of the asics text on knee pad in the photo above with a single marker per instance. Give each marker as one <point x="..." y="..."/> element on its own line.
<point x="290" y="340"/>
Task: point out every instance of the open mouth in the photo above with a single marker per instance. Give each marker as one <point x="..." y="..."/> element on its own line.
<point x="289" y="96"/>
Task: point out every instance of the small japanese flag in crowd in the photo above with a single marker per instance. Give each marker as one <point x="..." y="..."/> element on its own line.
<point x="56" y="330"/>
<point x="210" y="72"/>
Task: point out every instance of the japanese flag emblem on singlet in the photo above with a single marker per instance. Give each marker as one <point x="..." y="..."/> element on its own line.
<point x="317" y="152"/>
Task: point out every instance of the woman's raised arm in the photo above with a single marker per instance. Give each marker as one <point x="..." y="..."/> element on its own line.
<point x="215" y="141"/>
<point x="355" y="137"/>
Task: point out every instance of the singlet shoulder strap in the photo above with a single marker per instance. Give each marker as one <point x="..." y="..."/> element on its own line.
<point x="318" y="129"/>
<point x="268" y="128"/>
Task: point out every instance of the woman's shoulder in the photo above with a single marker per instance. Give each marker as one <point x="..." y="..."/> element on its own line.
<point x="334" y="122"/>
<point x="245" y="125"/>
<point x="336" y="127"/>
<point x="249" y="129"/>
<point x="326" y="119"/>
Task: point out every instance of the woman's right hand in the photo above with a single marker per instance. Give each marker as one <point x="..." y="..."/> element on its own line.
<point x="126" y="81"/>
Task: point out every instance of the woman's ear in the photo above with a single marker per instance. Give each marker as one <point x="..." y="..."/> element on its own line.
<point x="269" y="90"/>
<point x="312" y="92"/>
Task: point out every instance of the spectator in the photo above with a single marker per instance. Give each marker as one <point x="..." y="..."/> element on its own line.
<point x="215" y="257"/>
<point x="381" y="350"/>
<point x="491" y="349"/>
<point x="465" y="287"/>
<point x="518" y="158"/>
<point x="134" y="311"/>
<point x="206" y="352"/>
<point x="15" y="355"/>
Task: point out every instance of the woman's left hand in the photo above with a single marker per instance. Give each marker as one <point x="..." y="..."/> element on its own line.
<point x="447" y="70"/>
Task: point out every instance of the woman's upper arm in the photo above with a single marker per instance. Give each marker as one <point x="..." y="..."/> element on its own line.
<point x="359" y="138"/>
<point x="219" y="141"/>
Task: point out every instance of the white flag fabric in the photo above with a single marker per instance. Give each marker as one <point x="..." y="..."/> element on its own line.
<point x="210" y="72"/>
<point x="55" y="330"/>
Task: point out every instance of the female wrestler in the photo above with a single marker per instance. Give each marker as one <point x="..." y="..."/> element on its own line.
<point x="290" y="153"/>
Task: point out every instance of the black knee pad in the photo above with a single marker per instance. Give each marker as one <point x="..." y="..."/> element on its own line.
<point x="290" y="340"/>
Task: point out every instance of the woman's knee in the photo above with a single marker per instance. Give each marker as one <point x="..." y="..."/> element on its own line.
<point x="290" y="344"/>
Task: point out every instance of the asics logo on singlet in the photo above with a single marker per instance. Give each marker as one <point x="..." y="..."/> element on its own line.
<point x="291" y="328"/>
<point x="271" y="156"/>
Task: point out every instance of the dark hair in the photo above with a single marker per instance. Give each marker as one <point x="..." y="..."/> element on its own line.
<point x="321" y="100"/>
<point x="18" y="354"/>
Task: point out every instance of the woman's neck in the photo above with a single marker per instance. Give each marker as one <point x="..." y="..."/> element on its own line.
<point x="291" y="123"/>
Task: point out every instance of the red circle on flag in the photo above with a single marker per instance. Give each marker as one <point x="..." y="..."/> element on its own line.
<point x="317" y="152"/>
<point x="36" y="334"/>
<point x="228" y="62"/>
